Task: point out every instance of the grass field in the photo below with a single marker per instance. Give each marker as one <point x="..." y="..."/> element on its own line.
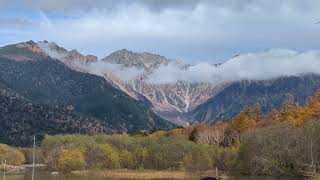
<point x="145" y="174"/>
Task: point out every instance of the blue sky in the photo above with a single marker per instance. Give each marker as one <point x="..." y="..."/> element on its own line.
<point x="191" y="30"/>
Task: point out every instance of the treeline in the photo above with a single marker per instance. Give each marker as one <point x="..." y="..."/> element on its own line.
<point x="75" y="152"/>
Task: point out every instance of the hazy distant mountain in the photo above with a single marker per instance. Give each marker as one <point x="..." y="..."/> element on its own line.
<point x="31" y="72"/>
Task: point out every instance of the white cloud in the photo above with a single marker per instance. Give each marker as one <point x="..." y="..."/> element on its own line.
<point x="101" y="68"/>
<point x="194" y="30"/>
<point x="254" y="66"/>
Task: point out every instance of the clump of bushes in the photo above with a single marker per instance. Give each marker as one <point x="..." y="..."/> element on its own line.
<point x="11" y="155"/>
<point x="282" y="150"/>
<point x="71" y="160"/>
<point x="28" y="154"/>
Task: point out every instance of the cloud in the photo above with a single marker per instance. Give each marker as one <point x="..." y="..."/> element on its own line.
<point x="14" y="22"/>
<point x="101" y="68"/>
<point x="71" y="6"/>
<point x="191" y="30"/>
<point x="253" y="66"/>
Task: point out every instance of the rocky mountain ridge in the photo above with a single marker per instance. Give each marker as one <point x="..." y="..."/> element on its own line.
<point x="171" y="100"/>
<point x="182" y="102"/>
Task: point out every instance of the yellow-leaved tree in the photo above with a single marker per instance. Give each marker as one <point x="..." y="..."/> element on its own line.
<point x="71" y="160"/>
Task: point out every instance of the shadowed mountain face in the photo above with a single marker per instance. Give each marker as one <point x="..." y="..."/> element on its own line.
<point x="269" y="94"/>
<point x="21" y="119"/>
<point x="49" y="82"/>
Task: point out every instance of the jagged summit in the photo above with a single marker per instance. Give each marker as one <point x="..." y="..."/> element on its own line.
<point x="147" y="61"/>
<point x="25" y="51"/>
<point x="31" y="42"/>
<point x="71" y="58"/>
<point x="42" y="50"/>
<point x="52" y="49"/>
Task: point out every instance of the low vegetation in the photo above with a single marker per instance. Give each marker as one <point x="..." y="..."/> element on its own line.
<point x="132" y="152"/>
<point x="10" y="156"/>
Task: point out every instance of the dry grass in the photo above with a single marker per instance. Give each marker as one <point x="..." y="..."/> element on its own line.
<point x="144" y="174"/>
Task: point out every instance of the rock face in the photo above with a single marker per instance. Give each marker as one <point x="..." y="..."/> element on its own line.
<point x="174" y="100"/>
<point x="146" y="61"/>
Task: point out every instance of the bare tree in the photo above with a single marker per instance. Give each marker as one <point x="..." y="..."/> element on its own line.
<point x="206" y="134"/>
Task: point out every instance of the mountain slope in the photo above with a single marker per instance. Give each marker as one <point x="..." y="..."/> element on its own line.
<point x="49" y="82"/>
<point x="21" y="119"/>
<point x="270" y="94"/>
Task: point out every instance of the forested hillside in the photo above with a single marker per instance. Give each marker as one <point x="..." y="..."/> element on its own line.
<point x="269" y="94"/>
<point x="22" y="119"/>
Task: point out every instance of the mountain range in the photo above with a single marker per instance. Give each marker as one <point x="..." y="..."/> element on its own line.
<point x="53" y="90"/>
<point x="29" y="72"/>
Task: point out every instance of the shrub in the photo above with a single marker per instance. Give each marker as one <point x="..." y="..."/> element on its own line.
<point x="71" y="160"/>
<point x="111" y="157"/>
<point x="270" y="150"/>
<point x="141" y="156"/>
<point x="28" y="154"/>
<point x="186" y="162"/>
<point x="126" y="159"/>
<point x="11" y="155"/>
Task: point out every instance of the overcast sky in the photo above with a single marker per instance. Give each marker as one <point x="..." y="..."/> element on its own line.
<point x="192" y="30"/>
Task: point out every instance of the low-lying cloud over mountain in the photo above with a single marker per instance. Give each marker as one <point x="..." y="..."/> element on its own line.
<point x="271" y="64"/>
<point x="253" y="66"/>
<point x="123" y="73"/>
